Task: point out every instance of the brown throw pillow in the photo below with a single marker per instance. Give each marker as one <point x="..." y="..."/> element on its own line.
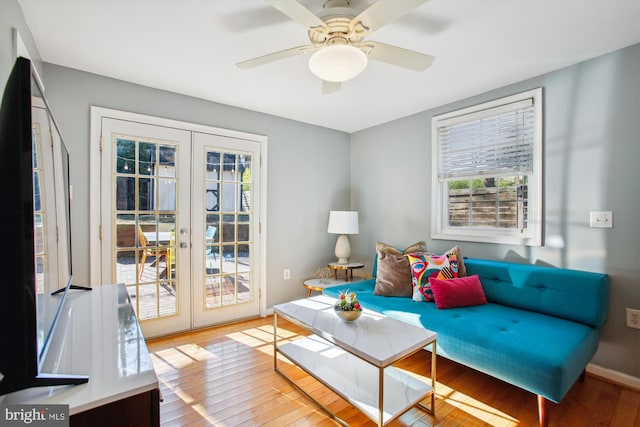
<point x="416" y="247"/>
<point x="393" y="277"/>
<point x="383" y="247"/>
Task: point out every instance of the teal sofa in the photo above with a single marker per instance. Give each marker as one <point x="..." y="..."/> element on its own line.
<point x="538" y="331"/>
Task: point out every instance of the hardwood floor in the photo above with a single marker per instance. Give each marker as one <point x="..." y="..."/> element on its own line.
<point x="224" y="376"/>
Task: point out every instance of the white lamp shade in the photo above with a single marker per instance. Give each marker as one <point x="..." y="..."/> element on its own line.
<point x="337" y="63"/>
<point x="343" y="222"/>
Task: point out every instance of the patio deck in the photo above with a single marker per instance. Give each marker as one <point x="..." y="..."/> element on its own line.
<point x="156" y="296"/>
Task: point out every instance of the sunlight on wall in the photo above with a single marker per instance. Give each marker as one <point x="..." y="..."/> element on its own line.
<point x="578" y="122"/>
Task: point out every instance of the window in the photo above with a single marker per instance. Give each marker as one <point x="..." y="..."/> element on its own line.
<point x="487" y="172"/>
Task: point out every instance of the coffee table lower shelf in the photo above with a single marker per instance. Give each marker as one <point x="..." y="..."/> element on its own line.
<point x="356" y="380"/>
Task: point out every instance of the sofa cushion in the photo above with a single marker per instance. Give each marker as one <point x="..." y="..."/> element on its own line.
<point x="460" y="292"/>
<point x="462" y="271"/>
<point x="424" y="267"/>
<point x="394" y="275"/>
<point x="417" y="247"/>
<point x="420" y="246"/>
<point x="575" y="295"/>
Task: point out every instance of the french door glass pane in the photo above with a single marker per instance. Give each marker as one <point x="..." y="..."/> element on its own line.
<point x="244" y="287"/>
<point x="145" y="224"/>
<point x="227" y="235"/>
<point x="125" y="156"/>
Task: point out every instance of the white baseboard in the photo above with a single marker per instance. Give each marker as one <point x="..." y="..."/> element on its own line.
<point x="614" y="376"/>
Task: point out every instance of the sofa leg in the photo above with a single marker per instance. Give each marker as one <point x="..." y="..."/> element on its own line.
<point x="543" y="411"/>
<point x="582" y="375"/>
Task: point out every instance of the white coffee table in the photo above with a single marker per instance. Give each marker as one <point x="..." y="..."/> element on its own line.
<point x="354" y="358"/>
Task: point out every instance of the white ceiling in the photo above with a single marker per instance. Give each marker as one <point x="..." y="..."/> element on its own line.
<point x="192" y="46"/>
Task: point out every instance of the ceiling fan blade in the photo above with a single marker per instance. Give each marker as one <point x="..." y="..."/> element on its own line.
<point x="330" y="87"/>
<point x="276" y="56"/>
<point x="398" y="56"/>
<point x="382" y="12"/>
<point x="297" y="12"/>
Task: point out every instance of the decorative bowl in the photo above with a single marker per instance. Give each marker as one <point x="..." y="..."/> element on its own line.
<point x="347" y="316"/>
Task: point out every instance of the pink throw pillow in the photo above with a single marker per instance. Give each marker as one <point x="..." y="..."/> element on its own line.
<point x="460" y="292"/>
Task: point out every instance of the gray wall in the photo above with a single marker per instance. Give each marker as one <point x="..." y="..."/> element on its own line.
<point x="11" y="17"/>
<point x="300" y="191"/>
<point x="592" y="149"/>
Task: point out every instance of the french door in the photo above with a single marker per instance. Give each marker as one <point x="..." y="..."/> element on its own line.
<point x="179" y="222"/>
<point x="224" y="207"/>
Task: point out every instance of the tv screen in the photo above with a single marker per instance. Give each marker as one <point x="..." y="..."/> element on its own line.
<point x="35" y="217"/>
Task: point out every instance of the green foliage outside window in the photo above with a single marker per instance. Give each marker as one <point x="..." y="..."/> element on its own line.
<point x="246" y="177"/>
<point x="461" y="184"/>
<point x="476" y="183"/>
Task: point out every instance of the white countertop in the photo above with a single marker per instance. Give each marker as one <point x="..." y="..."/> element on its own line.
<point x="98" y="335"/>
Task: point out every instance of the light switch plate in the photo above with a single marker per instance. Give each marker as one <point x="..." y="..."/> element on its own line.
<point x="601" y="219"/>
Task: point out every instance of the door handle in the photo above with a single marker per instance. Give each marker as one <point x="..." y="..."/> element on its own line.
<point x="183" y="245"/>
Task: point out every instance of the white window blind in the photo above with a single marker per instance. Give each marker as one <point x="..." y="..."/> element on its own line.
<point x="494" y="142"/>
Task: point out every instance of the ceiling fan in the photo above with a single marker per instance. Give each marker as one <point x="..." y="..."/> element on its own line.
<point x="337" y="39"/>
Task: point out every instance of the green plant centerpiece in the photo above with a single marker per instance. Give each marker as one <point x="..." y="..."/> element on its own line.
<point x="348" y="307"/>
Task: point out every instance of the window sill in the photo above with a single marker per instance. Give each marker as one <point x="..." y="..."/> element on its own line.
<point x="469" y="235"/>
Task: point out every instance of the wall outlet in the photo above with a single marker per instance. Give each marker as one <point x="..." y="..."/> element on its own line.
<point x="601" y="219"/>
<point x="633" y="318"/>
<point x="287" y="274"/>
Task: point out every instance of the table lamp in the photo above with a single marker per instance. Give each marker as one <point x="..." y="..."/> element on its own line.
<point x="343" y="223"/>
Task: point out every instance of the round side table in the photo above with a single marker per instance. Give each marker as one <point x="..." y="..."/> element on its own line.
<point x="317" y="285"/>
<point x="348" y="268"/>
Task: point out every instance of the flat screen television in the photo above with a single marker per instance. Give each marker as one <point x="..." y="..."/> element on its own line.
<point x="35" y="220"/>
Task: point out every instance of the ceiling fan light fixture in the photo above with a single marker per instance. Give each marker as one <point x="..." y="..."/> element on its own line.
<point x="337" y="63"/>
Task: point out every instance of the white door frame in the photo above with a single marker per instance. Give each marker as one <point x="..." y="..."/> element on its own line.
<point x="95" y="255"/>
